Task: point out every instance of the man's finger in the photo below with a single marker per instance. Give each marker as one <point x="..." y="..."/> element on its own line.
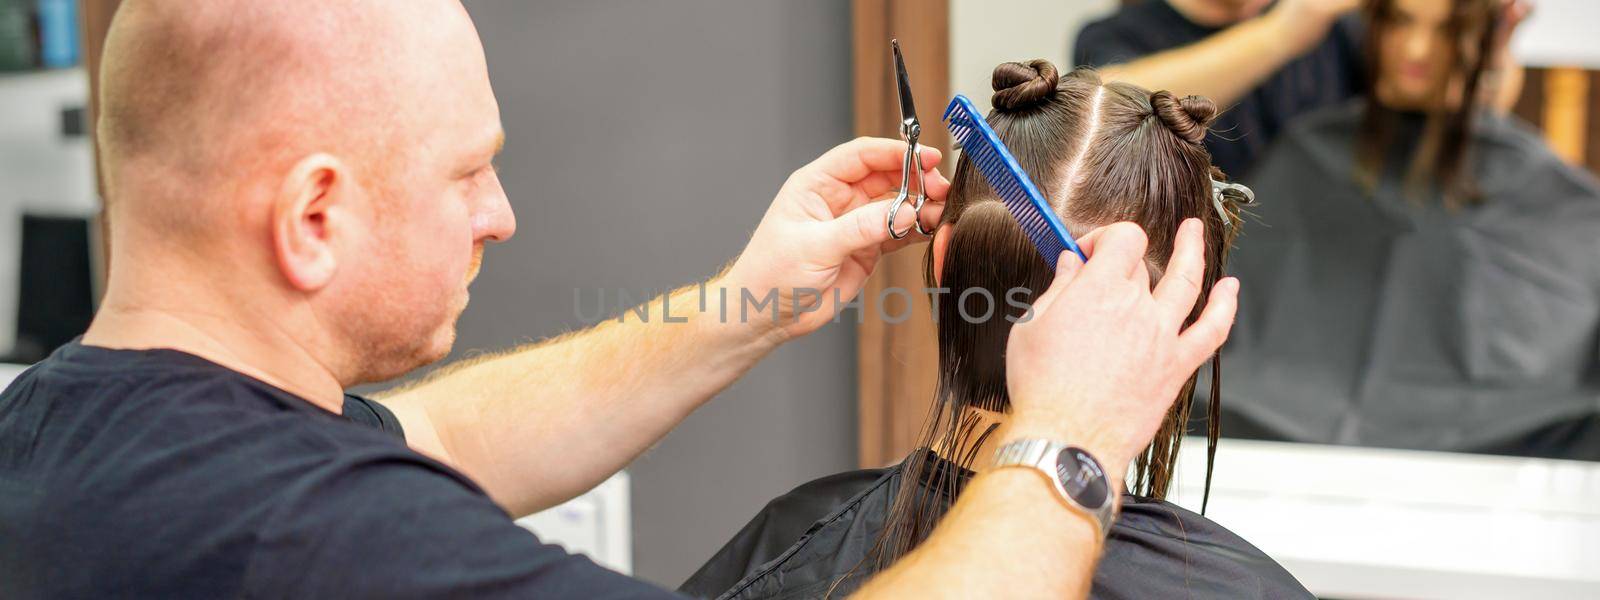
<point x="1202" y="339"/>
<point x="1119" y="252"/>
<point x="852" y="161"/>
<point x="1180" y="285"/>
<point x="879" y="183"/>
<point x="866" y="227"/>
<point x="938" y="187"/>
<point x="930" y="215"/>
<point x="1087" y="241"/>
<point x="875" y="185"/>
<point x="1068" y="266"/>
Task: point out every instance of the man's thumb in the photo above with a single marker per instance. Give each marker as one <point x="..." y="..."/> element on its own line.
<point x="1068" y="265"/>
<point x="868" y="225"/>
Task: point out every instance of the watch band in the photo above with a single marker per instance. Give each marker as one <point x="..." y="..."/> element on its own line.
<point x="1051" y="458"/>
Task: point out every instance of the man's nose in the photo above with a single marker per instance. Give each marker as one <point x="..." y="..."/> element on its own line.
<point x="492" y="219"/>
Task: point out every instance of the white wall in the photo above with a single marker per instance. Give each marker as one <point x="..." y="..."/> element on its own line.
<point x="985" y="33"/>
<point x="41" y="171"/>
<point x="1560" y="33"/>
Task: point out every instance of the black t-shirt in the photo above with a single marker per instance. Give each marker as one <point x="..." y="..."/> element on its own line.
<point x="1328" y="74"/>
<point x="158" y="474"/>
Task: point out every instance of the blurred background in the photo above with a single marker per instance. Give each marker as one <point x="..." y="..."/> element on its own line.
<point x="645" y="140"/>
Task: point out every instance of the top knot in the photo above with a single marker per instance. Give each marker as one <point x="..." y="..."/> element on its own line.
<point x="1188" y="117"/>
<point x="1018" y="86"/>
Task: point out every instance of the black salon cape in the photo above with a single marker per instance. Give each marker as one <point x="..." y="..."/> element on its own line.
<point x="806" y="540"/>
<point x="1389" y="320"/>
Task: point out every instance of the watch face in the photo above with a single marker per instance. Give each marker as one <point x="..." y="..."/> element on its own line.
<point x="1082" y="478"/>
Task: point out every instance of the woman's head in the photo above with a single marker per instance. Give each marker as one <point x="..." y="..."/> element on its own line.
<point x="1101" y="153"/>
<point x="1429" y="57"/>
<point x="1425" y="50"/>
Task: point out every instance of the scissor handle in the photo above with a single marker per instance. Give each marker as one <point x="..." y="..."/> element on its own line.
<point x="913" y="157"/>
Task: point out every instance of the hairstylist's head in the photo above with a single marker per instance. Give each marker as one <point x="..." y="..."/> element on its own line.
<point x="300" y="174"/>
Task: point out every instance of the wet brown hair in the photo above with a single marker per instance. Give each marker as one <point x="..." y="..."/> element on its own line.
<point x="1439" y="159"/>
<point x="1101" y="153"/>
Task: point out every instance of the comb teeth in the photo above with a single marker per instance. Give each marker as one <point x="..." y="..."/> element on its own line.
<point x="1022" y="199"/>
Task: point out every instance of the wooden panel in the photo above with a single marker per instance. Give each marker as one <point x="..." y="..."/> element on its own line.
<point x="1566" y="107"/>
<point x="897" y="366"/>
<point x="1564" y="103"/>
<point x="1592" y="158"/>
<point x="1530" y="104"/>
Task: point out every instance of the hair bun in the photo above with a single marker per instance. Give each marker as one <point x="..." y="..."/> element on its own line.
<point x="1018" y="86"/>
<point x="1187" y="117"/>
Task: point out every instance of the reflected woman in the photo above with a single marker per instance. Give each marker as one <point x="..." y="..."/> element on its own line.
<point x="1427" y="275"/>
<point x="1102" y="153"/>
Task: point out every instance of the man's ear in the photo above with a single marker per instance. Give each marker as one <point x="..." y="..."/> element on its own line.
<point x="941" y="245"/>
<point x="301" y="234"/>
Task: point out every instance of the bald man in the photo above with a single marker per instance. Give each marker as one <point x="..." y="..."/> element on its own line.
<point x="299" y="194"/>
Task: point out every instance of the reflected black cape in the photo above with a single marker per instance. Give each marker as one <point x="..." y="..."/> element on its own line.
<point x="1386" y="319"/>
<point x="806" y="540"/>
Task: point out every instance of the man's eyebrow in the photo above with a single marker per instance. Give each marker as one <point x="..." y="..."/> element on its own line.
<point x="499" y="142"/>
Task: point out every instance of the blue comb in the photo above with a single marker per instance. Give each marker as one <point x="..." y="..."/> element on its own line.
<point x="984" y="149"/>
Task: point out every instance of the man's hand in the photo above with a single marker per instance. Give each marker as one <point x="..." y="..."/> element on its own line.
<point x="1502" y="79"/>
<point x="1512" y="14"/>
<point x="566" y="398"/>
<point x="1102" y="358"/>
<point x="826" y="230"/>
<point x="1305" y="22"/>
<point x="1097" y="365"/>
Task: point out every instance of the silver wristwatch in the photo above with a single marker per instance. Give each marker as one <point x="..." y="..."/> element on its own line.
<point x="1077" y="476"/>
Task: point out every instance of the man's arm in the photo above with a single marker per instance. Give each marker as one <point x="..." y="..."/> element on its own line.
<point x="1226" y="66"/>
<point x="1008" y="533"/>
<point x="540" y="424"/>
<point x="1097" y="367"/>
<point x="1505" y="74"/>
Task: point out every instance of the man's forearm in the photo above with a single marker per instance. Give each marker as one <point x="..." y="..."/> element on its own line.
<point x="540" y="424"/>
<point x="1007" y="535"/>
<point x="1223" y="67"/>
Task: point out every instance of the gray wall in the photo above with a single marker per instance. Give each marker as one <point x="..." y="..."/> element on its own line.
<point x="645" y="141"/>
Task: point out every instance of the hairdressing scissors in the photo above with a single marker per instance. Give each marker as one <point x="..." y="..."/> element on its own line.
<point x="910" y="130"/>
<point x="1236" y="193"/>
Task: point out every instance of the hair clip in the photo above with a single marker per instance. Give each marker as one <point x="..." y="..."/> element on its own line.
<point x="1234" y="192"/>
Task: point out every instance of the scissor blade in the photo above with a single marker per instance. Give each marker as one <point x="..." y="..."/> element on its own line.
<point x="908" y="111"/>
